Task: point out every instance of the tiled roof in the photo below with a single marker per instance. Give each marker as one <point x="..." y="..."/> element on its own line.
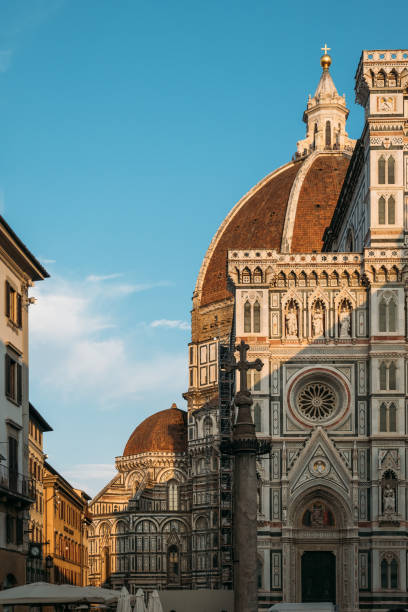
<point x="259" y="221"/>
<point x="258" y="224"/>
<point x="317" y="200"/>
<point x="165" y="431"/>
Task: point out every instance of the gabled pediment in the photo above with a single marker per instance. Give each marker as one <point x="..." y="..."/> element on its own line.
<point x="319" y="463"/>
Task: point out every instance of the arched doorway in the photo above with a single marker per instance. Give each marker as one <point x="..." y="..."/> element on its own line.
<point x="105" y="565"/>
<point x="318" y="576"/>
<point x="173" y="564"/>
<point x="321" y="548"/>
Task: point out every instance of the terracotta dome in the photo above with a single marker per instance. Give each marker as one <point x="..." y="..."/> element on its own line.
<point x="165" y="431"/>
<point x="287" y="211"/>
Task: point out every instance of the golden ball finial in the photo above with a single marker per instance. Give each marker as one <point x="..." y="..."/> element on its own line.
<point x="325" y="60"/>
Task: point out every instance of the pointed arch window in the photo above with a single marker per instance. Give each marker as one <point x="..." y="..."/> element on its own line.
<point x="388" y="376"/>
<point x="173" y="495"/>
<point x="392" y="376"/>
<point x="388" y="417"/>
<point x="391" y="170"/>
<point x="392" y="417"/>
<point x="381" y="211"/>
<point x="328" y="134"/>
<point x="391" y="210"/>
<point x="384" y="574"/>
<point x="207" y="426"/>
<point x="383" y="315"/>
<point x="257" y="380"/>
<point x="247" y="317"/>
<point x="383" y="376"/>
<point x="387" y="311"/>
<point x="314" y="135"/>
<point x="246" y="277"/>
<point x="383" y="417"/>
<point x="392" y="315"/>
<point x="257" y="418"/>
<point x="252" y="317"/>
<point x="381" y="170"/>
<point x="257" y="317"/>
<point x="389" y="573"/>
<point x="258" y="276"/>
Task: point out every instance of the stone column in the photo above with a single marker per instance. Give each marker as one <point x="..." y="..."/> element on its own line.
<point x="245" y="448"/>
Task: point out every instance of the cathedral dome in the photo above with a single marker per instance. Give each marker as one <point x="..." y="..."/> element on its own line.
<point x="165" y="431"/>
<point x="288" y="211"/>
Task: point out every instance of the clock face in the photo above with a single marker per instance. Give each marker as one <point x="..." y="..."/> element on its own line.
<point x="35" y="551"/>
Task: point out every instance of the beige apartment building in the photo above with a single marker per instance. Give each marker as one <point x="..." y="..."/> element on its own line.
<point x="37" y="569"/>
<point x="19" y="269"/>
<point x="66" y="522"/>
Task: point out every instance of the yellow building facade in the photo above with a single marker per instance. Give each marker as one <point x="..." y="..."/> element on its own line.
<point x="36" y="563"/>
<point x="66" y="521"/>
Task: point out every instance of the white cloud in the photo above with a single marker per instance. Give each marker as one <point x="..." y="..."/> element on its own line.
<point x="90" y="477"/>
<point x="47" y="261"/>
<point x="173" y="324"/>
<point x="80" y="351"/>
<point x="94" y="278"/>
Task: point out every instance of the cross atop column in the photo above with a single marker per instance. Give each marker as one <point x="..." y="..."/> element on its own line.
<point x="325" y="48"/>
<point x="243" y="365"/>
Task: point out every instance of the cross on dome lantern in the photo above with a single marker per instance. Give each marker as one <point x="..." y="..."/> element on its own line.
<point x="325" y="60"/>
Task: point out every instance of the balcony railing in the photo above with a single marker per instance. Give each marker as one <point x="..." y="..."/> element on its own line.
<point x="16" y="484"/>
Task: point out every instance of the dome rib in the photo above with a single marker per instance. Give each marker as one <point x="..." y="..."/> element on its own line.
<point x="289" y="209"/>
<point x="165" y="431"/>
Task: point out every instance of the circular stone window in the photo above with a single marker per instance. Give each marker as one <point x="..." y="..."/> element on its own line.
<point x="318" y="397"/>
<point x="317" y="401"/>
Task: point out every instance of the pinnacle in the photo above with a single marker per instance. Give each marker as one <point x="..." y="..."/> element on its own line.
<point x="326" y="86"/>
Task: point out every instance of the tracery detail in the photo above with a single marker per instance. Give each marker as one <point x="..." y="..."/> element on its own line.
<point x="317" y="401"/>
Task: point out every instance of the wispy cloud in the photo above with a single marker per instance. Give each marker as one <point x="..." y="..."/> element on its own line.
<point x="94" y="278"/>
<point x="173" y="324"/>
<point x="90" y="477"/>
<point x="47" y="261"/>
<point x="80" y="350"/>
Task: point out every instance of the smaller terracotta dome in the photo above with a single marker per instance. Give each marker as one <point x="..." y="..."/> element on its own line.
<point x="165" y="431"/>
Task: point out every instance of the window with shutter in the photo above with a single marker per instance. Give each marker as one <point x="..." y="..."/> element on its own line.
<point x="7" y="299"/>
<point x="20" y="531"/>
<point x="14" y="305"/>
<point x="19" y="320"/>
<point x="10" y="529"/>
<point x="13" y="379"/>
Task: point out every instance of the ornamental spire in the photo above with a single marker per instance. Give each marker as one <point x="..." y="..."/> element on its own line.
<point x="325" y="116"/>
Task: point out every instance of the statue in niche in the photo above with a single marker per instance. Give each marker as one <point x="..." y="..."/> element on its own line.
<point x="291" y="323"/>
<point x="345" y="322"/>
<point x="317" y="322"/>
<point x="389" y="500"/>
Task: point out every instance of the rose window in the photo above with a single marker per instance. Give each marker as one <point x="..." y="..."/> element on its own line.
<point x="317" y="401"/>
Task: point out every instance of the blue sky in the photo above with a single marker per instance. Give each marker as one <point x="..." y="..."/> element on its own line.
<point x="129" y="129"/>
